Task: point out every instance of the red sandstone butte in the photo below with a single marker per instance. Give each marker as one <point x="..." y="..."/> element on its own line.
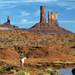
<point x="42" y="27"/>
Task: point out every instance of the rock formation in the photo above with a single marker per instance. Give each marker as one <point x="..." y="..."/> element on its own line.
<point x="52" y="18"/>
<point x="42" y="27"/>
<point x="0" y="24"/>
<point x="43" y="14"/>
<point x="51" y="27"/>
<point x="9" y="25"/>
<point x="8" y="20"/>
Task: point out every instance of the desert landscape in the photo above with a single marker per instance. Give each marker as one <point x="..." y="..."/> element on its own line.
<point x="47" y="46"/>
<point x="43" y="51"/>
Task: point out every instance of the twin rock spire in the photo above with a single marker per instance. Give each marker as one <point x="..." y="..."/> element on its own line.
<point x="51" y="16"/>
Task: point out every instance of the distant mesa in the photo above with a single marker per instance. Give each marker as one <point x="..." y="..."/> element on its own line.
<point x="9" y="25"/>
<point x="42" y="27"/>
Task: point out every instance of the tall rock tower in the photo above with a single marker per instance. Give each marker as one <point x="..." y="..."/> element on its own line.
<point x="8" y="20"/>
<point x="52" y="18"/>
<point x="49" y="18"/>
<point x="42" y="14"/>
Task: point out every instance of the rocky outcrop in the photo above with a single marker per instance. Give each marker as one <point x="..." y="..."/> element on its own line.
<point x="0" y="24"/>
<point x="52" y="18"/>
<point x="8" y="20"/>
<point x="42" y="14"/>
<point x="51" y="27"/>
<point x="9" y="25"/>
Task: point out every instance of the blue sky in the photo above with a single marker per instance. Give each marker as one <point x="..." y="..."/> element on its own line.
<point x="26" y="13"/>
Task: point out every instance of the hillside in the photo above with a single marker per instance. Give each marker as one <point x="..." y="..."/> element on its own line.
<point x="40" y="50"/>
<point x="5" y="28"/>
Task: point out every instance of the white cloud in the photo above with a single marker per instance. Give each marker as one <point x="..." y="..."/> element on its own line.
<point x="62" y="3"/>
<point x="9" y="1"/>
<point x="37" y="13"/>
<point x="5" y="12"/>
<point x="39" y="0"/>
<point x="68" y="8"/>
<point x="68" y="5"/>
<point x="66" y="21"/>
<point x="24" y="13"/>
<point x="12" y="23"/>
<point x="25" y="21"/>
<point x="13" y="6"/>
<point x="27" y="1"/>
<point x="4" y="6"/>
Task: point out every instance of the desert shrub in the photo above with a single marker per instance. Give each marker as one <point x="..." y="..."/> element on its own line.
<point x="62" y="60"/>
<point x="23" y="73"/>
<point x="59" y="35"/>
<point x="2" y="73"/>
<point x="33" y="48"/>
<point x="41" y="42"/>
<point x="21" y="42"/>
<point x="17" y="31"/>
<point x="67" y="35"/>
<point x="44" y="43"/>
<point x="36" y="56"/>
<point x="0" y="68"/>
<point x="12" y="71"/>
<point x="57" y="49"/>
<point x="56" y="72"/>
<point x="21" y="55"/>
<point x="32" y="43"/>
<point x="48" y="70"/>
<point x="53" y="72"/>
<point x="55" y="42"/>
<point x="13" y="58"/>
<point x="41" y="73"/>
<point x="5" y="68"/>
<point x="24" y="41"/>
<point x="61" y="74"/>
<point x="57" y="39"/>
<point x="15" y="45"/>
<point x="50" y="42"/>
<point x="11" y="48"/>
<point x="27" y="44"/>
